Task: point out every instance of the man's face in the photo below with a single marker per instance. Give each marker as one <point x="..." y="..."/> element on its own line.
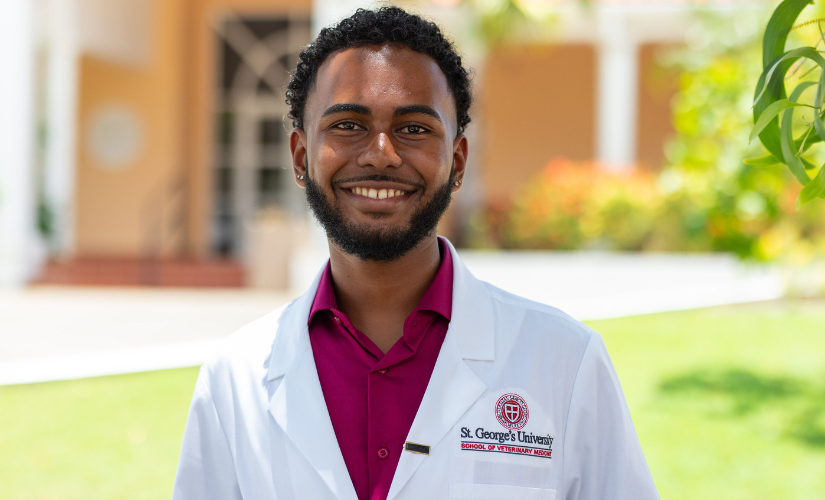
<point x="380" y="148"/>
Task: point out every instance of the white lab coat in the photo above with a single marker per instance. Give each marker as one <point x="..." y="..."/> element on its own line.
<point x="259" y="429"/>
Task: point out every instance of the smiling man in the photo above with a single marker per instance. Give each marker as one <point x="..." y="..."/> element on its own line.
<point x="399" y="375"/>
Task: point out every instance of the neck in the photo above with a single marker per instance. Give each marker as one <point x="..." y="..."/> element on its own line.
<point x="378" y="296"/>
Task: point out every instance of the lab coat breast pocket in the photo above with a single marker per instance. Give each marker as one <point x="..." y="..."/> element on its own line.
<point x="467" y="491"/>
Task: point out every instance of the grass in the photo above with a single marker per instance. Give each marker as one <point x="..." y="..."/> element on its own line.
<point x="729" y="403"/>
<point x="103" y="438"/>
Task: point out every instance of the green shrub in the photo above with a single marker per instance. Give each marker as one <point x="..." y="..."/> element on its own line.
<point x="570" y="206"/>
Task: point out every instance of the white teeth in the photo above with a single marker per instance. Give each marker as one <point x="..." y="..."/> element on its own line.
<point x="377" y="194"/>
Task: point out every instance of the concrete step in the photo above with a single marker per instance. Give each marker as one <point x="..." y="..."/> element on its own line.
<point x="124" y="271"/>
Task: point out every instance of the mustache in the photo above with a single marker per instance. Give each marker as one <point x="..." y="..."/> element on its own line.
<point x="379" y="178"/>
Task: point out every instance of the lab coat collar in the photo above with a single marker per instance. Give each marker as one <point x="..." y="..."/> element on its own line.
<point x="471" y="322"/>
<point x="452" y="390"/>
<point x="298" y="404"/>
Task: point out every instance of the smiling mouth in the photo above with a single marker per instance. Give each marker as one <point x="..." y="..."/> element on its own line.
<point x="377" y="194"/>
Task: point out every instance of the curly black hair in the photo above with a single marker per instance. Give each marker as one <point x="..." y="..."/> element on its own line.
<point x="379" y="27"/>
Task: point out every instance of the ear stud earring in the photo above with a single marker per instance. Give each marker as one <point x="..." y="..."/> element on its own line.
<point x="457" y="183"/>
<point x="300" y="177"/>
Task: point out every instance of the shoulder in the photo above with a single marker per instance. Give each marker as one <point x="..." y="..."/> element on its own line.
<point x="538" y="319"/>
<point x="246" y="352"/>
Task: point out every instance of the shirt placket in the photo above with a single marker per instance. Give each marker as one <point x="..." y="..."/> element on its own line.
<point x="378" y="447"/>
<point x="383" y="397"/>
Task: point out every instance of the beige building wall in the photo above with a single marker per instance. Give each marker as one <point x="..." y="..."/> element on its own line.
<point x="538" y="104"/>
<point x="112" y="203"/>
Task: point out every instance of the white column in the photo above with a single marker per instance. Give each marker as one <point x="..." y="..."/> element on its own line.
<point x="61" y="116"/>
<point x="617" y="91"/>
<point x="17" y="211"/>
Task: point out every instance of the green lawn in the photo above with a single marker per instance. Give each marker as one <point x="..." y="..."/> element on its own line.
<point x="729" y="404"/>
<point x="94" y="439"/>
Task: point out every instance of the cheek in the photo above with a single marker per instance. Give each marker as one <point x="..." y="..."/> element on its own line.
<point x="432" y="165"/>
<point x="327" y="160"/>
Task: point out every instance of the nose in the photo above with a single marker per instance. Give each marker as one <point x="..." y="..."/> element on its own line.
<point x="380" y="153"/>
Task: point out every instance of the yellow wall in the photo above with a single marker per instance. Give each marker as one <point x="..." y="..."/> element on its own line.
<point x="538" y="104"/>
<point x="174" y="96"/>
<point x="110" y="202"/>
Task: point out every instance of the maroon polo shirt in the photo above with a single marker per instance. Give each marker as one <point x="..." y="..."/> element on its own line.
<point x="372" y="397"/>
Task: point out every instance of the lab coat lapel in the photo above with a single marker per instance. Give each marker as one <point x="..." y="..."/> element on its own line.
<point x="298" y="404"/>
<point x="453" y="386"/>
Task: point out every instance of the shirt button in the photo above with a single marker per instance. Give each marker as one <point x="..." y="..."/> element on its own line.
<point x="383" y="453"/>
<point x="382" y="371"/>
<point x="415" y="323"/>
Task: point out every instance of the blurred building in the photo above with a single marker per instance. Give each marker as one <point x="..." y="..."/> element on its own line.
<point x="161" y="137"/>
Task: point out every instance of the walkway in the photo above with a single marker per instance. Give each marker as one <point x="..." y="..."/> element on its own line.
<point x="56" y="333"/>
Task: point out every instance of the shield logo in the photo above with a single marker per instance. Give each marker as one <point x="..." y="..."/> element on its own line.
<point x="512" y="412"/>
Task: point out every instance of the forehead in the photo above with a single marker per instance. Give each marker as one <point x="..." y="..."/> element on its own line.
<point x="381" y="76"/>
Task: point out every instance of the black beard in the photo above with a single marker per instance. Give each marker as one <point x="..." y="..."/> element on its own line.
<point x="380" y="245"/>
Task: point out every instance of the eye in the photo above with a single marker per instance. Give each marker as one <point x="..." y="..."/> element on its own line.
<point x="414" y="129"/>
<point x="347" y="126"/>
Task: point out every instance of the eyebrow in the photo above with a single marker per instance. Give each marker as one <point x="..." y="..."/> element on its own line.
<point x="347" y="107"/>
<point x="417" y="108"/>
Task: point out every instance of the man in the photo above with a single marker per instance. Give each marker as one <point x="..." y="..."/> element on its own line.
<point x="398" y="375"/>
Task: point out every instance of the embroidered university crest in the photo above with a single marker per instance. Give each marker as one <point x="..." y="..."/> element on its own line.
<point x="511" y="412"/>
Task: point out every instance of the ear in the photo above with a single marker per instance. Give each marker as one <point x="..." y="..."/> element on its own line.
<point x="298" y="150"/>
<point x="459" y="160"/>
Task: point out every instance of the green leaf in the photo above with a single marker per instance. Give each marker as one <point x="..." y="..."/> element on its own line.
<point x="820" y="91"/>
<point x="768" y="160"/>
<point x="770" y="113"/>
<point x="804" y="139"/>
<point x="818" y="125"/>
<point x="773" y="47"/>
<point x="790" y="156"/>
<point x="762" y="161"/>
<point x="810" y="142"/>
<point x="789" y="57"/>
<point x="788" y="153"/>
<point x="780" y="24"/>
<point x="812" y="190"/>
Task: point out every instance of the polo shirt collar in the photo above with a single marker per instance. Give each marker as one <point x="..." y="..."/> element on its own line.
<point x="437" y="298"/>
<point x="325" y="295"/>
